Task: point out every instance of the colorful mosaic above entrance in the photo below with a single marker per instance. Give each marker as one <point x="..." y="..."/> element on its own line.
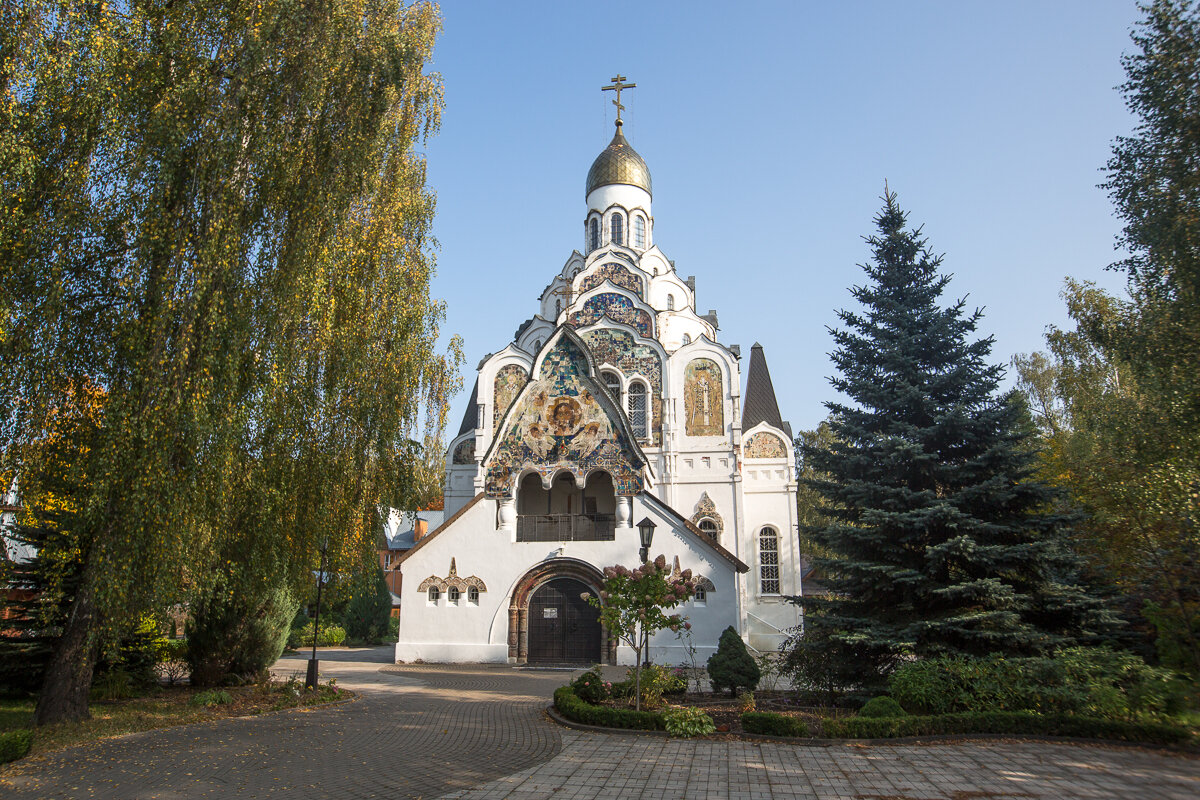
<point x="619" y="349"/>
<point x="615" y="273"/>
<point x="616" y="307"/>
<point x="563" y="422"/>
<point x="703" y="405"/>
<point x="764" y="445"/>
<point x="510" y="380"/>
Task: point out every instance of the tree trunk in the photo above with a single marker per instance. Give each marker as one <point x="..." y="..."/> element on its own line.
<point x="64" y="696"/>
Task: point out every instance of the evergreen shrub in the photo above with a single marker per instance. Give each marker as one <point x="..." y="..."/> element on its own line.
<point x="732" y="667"/>
<point x="15" y="744"/>
<point x="1004" y="722"/>
<point x="882" y="706"/>
<point x="573" y="708"/>
<point x="770" y="724"/>
<point x="1093" y="681"/>
<point x="237" y="635"/>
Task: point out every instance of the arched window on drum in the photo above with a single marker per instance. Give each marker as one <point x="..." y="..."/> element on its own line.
<point x="593" y="234"/>
<point x="639" y="232"/>
<point x="618" y="228"/>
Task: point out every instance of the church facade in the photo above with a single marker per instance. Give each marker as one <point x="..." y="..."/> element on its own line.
<point x="615" y="403"/>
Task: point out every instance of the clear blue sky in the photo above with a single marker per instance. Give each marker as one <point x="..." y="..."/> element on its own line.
<point x="769" y="129"/>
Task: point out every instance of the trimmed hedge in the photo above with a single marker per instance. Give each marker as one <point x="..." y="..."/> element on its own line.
<point x="14" y="745"/>
<point x="573" y="708"/>
<point x="1004" y="722"/>
<point x="882" y="706"/>
<point x="770" y="724"/>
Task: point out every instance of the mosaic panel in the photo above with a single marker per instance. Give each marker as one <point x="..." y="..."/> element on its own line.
<point x="510" y="380"/>
<point x="563" y="422"/>
<point x="703" y="399"/>
<point x="464" y="453"/>
<point x="615" y="273"/>
<point x="619" y="349"/>
<point x="616" y="307"/>
<point x="764" y="445"/>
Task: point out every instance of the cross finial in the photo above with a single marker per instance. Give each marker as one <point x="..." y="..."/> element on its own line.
<point x="618" y="83"/>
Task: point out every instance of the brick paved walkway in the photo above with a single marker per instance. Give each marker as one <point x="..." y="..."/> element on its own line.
<point x="478" y="732"/>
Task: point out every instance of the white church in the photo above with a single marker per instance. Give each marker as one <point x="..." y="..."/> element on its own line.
<point x="613" y="406"/>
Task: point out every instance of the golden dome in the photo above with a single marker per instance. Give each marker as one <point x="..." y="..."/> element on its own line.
<point x="619" y="163"/>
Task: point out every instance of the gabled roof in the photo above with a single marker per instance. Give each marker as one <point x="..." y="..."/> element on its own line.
<point x="759" y="404"/>
<point x="468" y="420"/>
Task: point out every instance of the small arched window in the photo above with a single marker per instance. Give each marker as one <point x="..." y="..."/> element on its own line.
<point x="473" y="595"/>
<point x="452" y="596"/>
<point x="670" y="302"/>
<point x="768" y="561"/>
<point x="593" y="234"/>
<point x="687" y="339"/>
<point x="618" y="229"/>
<point x="434" y="595"/>
<point x="557" y="307"/>
<point x="637" y="409"/>
<point x="709" y="528"/>
<point x="700" y="596"/>
<point x="537" y="345"/>
<point x="639" y="232"/>
<point x="612" y="382"/>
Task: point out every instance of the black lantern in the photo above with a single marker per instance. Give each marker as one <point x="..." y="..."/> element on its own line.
<point x="646" y="533"/>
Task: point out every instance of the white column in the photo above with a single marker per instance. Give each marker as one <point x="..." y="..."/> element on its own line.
<point x="624" y="513"/>
<point x="506" y="517"/>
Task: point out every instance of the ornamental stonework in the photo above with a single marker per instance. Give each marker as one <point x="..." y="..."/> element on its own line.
<point x="703" y="399"/>
<point x="706" y="509"/>
<point x="616" y="307"/>
<point x="452" y="581"/>
<point x="510" y="380"/>
<point x="563" y="422"/>
<point x="765" y="445"/>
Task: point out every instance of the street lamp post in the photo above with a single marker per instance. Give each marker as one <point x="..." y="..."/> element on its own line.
<point x="310" y="680"/>
<point x="646" y="534"/>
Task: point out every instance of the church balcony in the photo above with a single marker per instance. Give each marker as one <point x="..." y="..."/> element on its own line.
<point x="566" y="527"/>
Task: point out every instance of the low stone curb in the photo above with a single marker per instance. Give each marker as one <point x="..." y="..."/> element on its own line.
<point x="1193" y="752"/>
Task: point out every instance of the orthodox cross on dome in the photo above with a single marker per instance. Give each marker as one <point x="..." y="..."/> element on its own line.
<point x="618" y="83"/>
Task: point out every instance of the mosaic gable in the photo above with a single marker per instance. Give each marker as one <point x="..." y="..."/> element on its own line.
<point x="563" y="421"/>
<point x="616" y="307"/>
<point x="703" y="399"/>
<point x="619" y="349"/>
<point x="464" y="453"/>
<point x="615" y="273"/>
<point x="510" y="380"/>
<point x="706" y="509"/>
<point x="764" y="445"/>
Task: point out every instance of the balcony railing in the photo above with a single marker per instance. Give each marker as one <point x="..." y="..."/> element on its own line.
<point x="566" y="527"/>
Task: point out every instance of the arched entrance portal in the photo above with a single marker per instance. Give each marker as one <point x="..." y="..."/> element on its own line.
<point x="563" y="627"/>
<point x="549" y="621"/>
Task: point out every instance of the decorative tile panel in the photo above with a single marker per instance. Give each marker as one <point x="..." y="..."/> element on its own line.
<point x="703" y="399"/>
<point x="765" y="445"/>
<point x="444" y="584"/>
<point x="616" y="307"/>
<point x="464" y="453"/>
<point x="510" y="380"/>
<point x="616" y="273"/>
<point x="621" y="350"/>
<point x="563" y="422"/>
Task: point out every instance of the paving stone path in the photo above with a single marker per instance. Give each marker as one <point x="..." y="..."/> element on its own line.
<point x="478" y="732"/>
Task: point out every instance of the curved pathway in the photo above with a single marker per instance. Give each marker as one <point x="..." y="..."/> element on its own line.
<point x="478" y="732"/>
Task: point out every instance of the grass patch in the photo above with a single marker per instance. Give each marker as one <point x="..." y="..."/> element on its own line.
<point x="160" y="708"/>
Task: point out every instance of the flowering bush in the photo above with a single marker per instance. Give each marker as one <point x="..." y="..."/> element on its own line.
<point x="633" y="605"/>
<point x="591" y="687"/>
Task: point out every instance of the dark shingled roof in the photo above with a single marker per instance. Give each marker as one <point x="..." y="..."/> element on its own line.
<point x="760" y="404"/>
<point x="468" y="422"/>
